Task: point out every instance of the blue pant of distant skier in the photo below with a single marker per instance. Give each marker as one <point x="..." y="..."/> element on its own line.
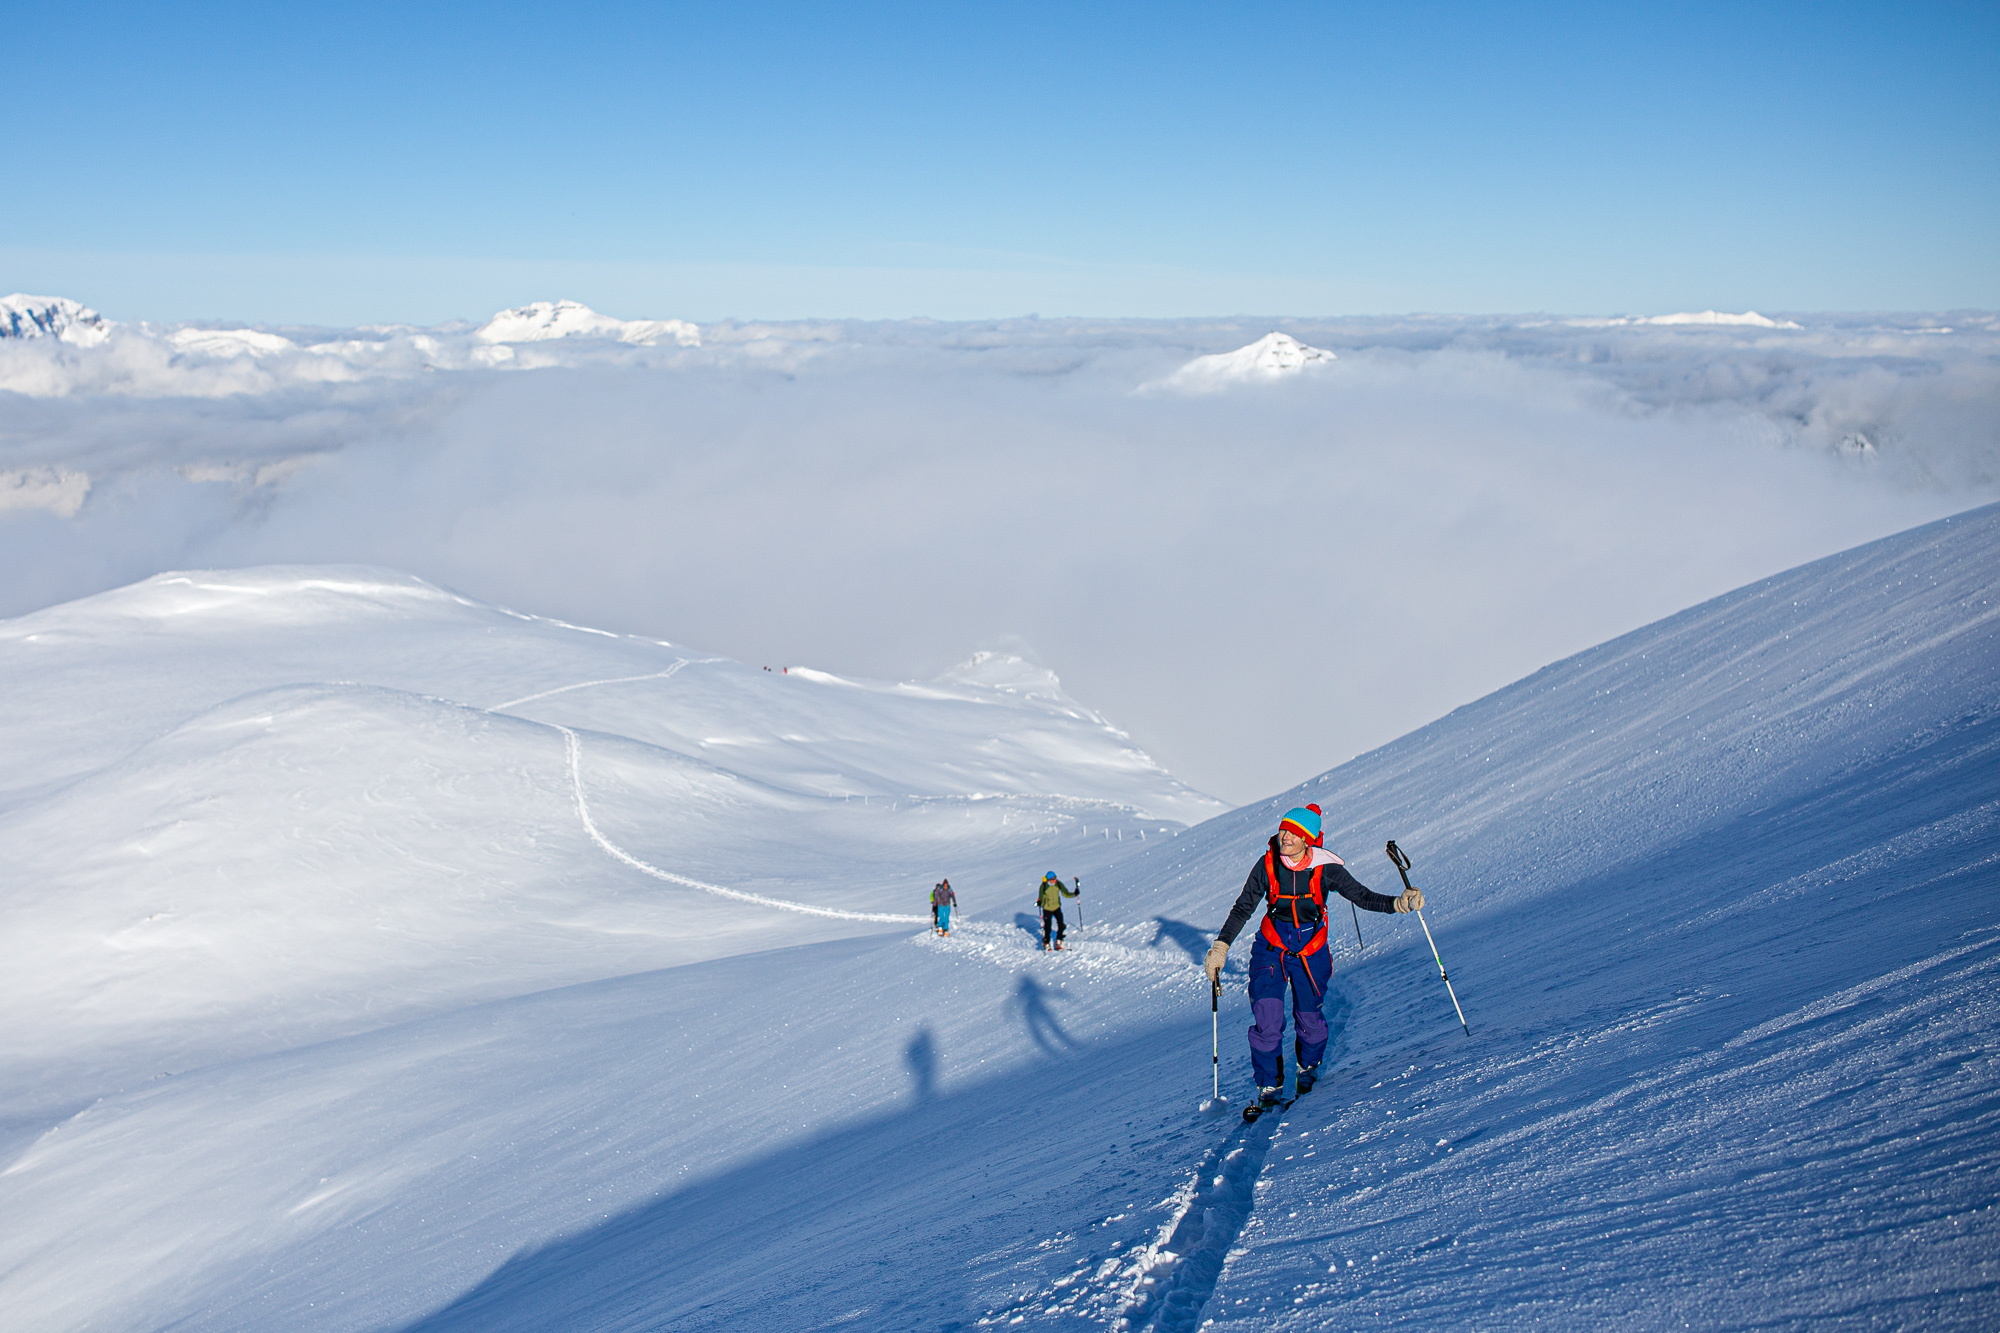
<point x="941" y="914"/>
<point x="1270" y="971"/>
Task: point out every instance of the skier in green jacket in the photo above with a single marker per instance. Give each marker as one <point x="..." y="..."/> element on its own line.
<point x="1053" y="891"/>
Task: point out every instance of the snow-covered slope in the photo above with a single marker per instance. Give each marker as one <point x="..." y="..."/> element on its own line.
<point x="1719" y="898"/>
<point x="24" y="316"/>
<point x="256" y="808"/>
<point x="544" y="321"/>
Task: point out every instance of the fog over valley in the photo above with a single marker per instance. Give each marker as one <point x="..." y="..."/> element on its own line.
<point x="1259" y="545"/>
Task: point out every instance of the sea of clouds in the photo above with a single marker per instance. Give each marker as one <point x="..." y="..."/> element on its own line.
<point x="1258" y="571"/>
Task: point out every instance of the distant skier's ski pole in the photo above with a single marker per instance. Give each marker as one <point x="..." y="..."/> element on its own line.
<point x="1215" y="1036"/>
<point x="1403" y="869"/>
<point x="1078" y="881"/>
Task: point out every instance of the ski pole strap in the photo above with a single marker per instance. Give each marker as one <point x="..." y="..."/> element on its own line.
<point x="1402" y="862"/>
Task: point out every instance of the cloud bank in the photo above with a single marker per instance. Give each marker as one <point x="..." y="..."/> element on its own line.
<point x="1257" y="580"/>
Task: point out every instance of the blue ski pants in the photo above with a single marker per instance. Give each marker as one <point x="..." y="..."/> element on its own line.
<point x="943" y="914"/>
<point x="1270" y="972"/>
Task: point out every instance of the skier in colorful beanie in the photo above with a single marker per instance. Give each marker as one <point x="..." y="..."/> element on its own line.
<point x="1291" y="947"/>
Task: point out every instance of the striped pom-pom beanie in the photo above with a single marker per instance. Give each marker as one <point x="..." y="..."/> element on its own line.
<point x="1304" y="821"/>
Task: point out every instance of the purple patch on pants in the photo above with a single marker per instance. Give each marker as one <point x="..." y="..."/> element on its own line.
<point x="1269" y="1029"/>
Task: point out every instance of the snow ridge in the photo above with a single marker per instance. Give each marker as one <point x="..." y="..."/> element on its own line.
<point x="1749" y="319"/>
<point x="547" y="321"/>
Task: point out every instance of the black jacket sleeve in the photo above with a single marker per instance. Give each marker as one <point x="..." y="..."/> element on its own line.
<point x="1254" y="888"/>
<point x="1352" y="889"/>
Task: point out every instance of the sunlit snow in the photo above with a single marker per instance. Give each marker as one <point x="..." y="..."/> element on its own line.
<point x="231" y="342"/>
<point x="1273" y="356"/>
<point x="382" y="971"/>
<point x="547" y="320"/>
<point x="1749" y="319"/>
<point x="24" y="316"/>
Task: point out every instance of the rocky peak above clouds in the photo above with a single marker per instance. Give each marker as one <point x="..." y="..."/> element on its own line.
<point x="24" y="316"/>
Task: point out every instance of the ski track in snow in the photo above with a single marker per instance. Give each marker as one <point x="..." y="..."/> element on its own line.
<point x="575" y="749"/>
<point x="615" y="680"/>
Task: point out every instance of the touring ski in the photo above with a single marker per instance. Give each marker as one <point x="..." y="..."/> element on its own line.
<point x="1258" y="1108"/>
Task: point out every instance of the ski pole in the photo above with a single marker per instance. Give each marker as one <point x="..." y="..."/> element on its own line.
<point x="1357" y="926"/>
<point x="1215" y="1036"/>
<point x="1078" y="881"/>
<point x="1403" y="868"/>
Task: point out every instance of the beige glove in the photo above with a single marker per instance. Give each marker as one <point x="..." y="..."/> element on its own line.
<point x="1410" y="900"/>
<point x="1218" y="954"/>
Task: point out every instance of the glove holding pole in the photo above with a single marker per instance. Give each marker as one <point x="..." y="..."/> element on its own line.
<point x="1412" y="900"/>
<point x="1218" y="954"/>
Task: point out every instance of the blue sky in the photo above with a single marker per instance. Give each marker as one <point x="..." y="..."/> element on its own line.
<point x="355" y="162"/>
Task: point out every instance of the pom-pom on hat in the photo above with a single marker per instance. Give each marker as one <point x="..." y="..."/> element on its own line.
<point x="1304" y="821"/>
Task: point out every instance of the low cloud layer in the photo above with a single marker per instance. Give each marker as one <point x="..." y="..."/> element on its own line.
<point x="1258" y="580"/>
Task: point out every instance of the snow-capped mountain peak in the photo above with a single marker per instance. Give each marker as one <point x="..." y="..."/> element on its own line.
<point x="544" y="321"/>
<point x="1272" y="357"/>
<point x="24" y="316"/>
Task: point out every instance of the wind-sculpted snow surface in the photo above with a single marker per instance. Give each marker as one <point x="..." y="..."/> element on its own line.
<point x="1719" y="897"/>
<point x="249" y="809"/>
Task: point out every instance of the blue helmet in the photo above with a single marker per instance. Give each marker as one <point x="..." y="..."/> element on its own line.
<point x="1050" y="875"/>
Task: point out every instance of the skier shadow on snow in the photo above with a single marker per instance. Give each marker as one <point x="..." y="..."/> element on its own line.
<point x="1193" y="940"/>
<point x="1031" y="923"/>
<point x="920" y="1058"/>
<point x="835" y="1228"/>
<point x="1044" y="1028"/>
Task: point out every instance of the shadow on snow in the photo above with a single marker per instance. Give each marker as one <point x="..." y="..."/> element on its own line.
<point x="928" y="1217"/>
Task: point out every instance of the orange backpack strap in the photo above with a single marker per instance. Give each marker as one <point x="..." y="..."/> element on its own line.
<point x="1270" y="930"/>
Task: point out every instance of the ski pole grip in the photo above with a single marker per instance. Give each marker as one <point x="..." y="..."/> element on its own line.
<point x="1402" y="862"/>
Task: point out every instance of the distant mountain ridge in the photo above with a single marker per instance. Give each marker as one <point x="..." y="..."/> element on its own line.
<point x="24" y="316"/>
<point x="545" y="321"/>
